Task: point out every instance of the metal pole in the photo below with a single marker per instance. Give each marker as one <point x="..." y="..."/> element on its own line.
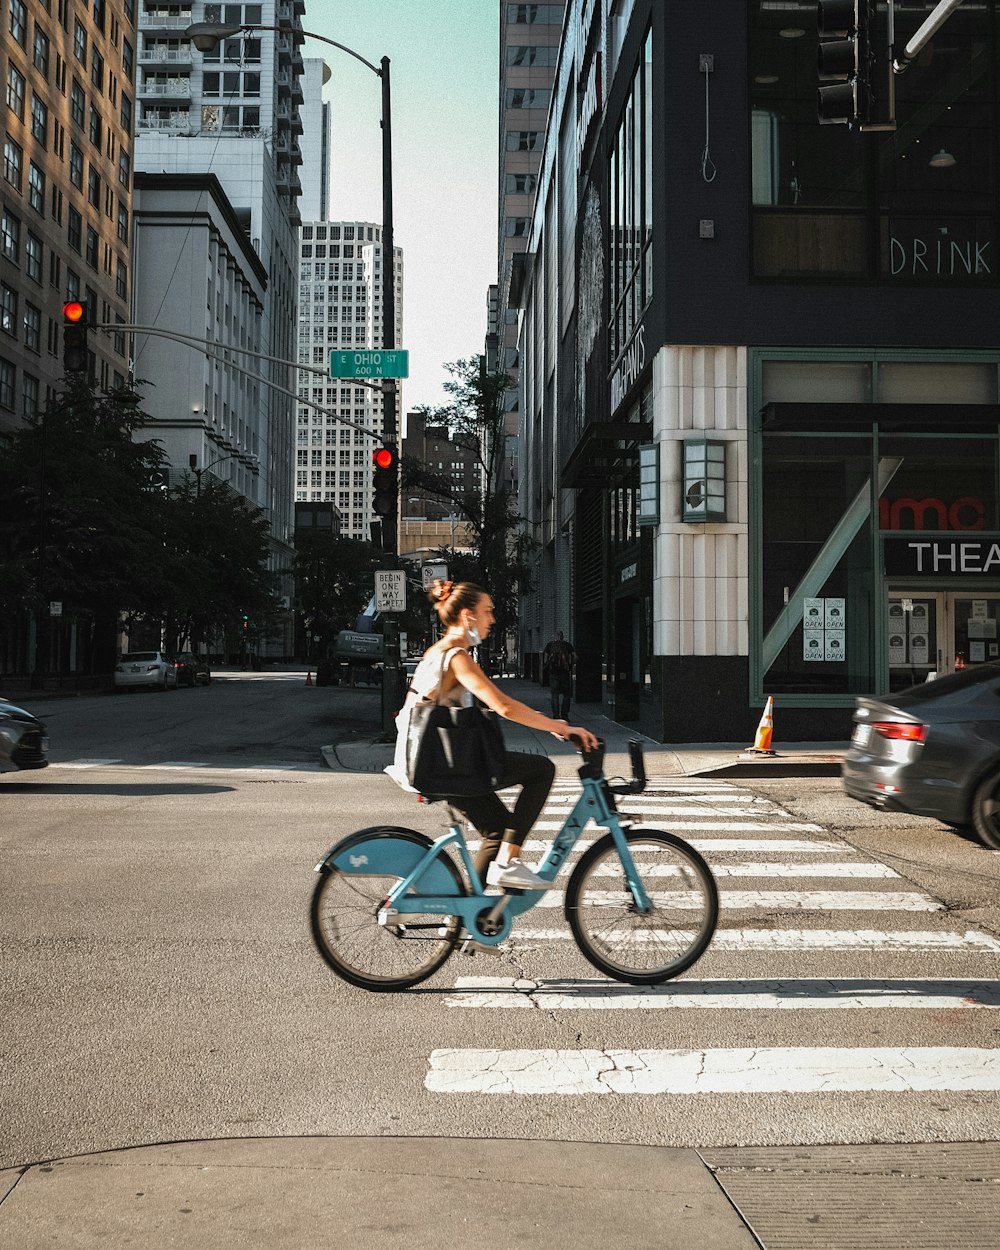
<point x="927" y="31"/>
<point x="391" y="684"/>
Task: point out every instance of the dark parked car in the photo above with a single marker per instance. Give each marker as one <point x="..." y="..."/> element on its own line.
<point x="23" y="743"/>
<point x="192" y="670"/>
<point x="933" y="750"/>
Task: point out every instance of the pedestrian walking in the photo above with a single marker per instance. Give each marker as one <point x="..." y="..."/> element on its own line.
<point x="559" y="658"/>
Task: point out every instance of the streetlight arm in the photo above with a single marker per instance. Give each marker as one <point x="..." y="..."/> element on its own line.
<point x="206" y="35"/>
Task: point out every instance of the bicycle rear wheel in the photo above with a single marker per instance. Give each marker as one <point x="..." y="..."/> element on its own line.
<point x="624" y="943"/>
<point x="345" y="928"/>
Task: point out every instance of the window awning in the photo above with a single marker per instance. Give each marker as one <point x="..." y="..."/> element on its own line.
<point x="603" y="447"/>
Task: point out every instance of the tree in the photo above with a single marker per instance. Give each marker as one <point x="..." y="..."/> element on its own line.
<point x="476" y="418"/>
<point x="334" y="579"/>
<point x="80" y="519"/>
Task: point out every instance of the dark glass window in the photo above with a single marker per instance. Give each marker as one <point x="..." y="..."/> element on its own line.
<point x="914" y="205"/>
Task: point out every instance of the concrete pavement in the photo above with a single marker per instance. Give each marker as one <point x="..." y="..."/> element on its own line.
<point x="363" y="753"/>
<point x="348" y="1192"/>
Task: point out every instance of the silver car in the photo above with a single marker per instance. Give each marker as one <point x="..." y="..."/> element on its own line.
<point x="23" y="743"/>
<point x="145" y="668"/>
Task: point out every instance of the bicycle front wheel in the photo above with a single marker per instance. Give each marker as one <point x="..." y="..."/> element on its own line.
<point x="643" y="948"/>
<point x="344" y="915"/>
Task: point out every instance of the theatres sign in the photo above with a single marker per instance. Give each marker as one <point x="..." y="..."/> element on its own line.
<point x="943" y="557"/>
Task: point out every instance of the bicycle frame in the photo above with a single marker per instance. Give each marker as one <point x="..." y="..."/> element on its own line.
<point x="596" y="803"/>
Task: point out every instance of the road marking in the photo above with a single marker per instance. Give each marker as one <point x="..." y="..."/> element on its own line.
<point x="713" y="826"/>
<point x="797" y="846"/>
<point x="814" y="939"/>
<point x="781" y="1070"/>
<point x="860" y="870"/>
<point x="783" y="900"/>
<point x="83" y="762"/>
<point x="808" y="994"/>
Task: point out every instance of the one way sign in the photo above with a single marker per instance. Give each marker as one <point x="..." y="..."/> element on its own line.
<point x="390" y="590"/>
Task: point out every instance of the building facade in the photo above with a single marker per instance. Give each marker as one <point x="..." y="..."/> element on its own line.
<point x="340" y="308"/>
<point x="66" y="192"/>
<point x="529" y="45"/>
<point x="759" y="378"/>
<point x="232" y="112"/>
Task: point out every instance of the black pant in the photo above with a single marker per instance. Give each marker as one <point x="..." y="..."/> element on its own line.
<point x="497" y="823"/>
<point x="561" y="686"/>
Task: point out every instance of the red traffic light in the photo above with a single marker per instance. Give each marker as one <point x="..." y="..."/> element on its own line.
<point x="74" y="311"/>
<point x="383" y="458"/>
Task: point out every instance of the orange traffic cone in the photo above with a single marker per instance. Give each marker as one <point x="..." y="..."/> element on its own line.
<point x="762" y="742"/>
<point x="309" y="679"/>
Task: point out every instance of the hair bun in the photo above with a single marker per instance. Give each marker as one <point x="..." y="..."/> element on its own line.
<point x="442" y="590"/>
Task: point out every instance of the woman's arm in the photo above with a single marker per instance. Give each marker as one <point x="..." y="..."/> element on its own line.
<point x="472" y="677"/>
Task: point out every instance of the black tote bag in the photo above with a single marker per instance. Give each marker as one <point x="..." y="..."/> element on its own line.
<point x="455" y="751"/>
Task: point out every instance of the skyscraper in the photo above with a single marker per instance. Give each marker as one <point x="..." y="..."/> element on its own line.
<point x="340" y="306"/>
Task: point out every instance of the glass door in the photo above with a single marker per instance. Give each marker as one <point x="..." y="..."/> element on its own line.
<point x="916" y="625"/>
<point x="930" y="635"/>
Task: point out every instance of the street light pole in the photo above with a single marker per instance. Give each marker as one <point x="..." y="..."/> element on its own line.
<point x="193" y="465"/>
<point x="206" y="36"/>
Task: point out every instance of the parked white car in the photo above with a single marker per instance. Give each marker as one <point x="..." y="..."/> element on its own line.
<point x="145" y="668"/>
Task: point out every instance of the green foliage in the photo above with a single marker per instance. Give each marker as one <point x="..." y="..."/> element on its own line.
<point x="476" y="416"/>
<point x="334" y="579"/>
<point x="86" y="519"/>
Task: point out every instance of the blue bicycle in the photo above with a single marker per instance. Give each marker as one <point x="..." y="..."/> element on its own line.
<point x="391" y="905"/>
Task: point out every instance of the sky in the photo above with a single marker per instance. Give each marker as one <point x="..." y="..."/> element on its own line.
<point x="445" y="101"/>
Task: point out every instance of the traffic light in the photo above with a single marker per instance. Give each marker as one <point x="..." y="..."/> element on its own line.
<point x="385" y="481"/>
<point x="76" y="316"/>
<point x="854" y="60"/>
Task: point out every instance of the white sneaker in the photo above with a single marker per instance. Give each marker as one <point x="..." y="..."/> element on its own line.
<point x="515" y="876"/>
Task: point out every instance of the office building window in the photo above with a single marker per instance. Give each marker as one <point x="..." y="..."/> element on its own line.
<point x="122" y="223"/>
<point x="79" y="41"/>
<point x="32" y="327"/>
<point x="40" y="56"/>
<point x="541" y="54"/>
<point x="525" y="140"/>
<point x="39" y="121"/>
<point x="95" y="127"/>
<point x="8" y="310"/>
<point x="18" y="21"/>
<point x="33" y="258"/>
<point x="97" y="69"/>
<point x="74" y="230"/>
<point x="11" y="235"/>
<point x="528" y="97"/>
<point x="7" y="375"/>
<point x="76" y="165"/>
<point x="94" y="187"/>
<point x="29" y="394"/>
<point x="13" y="163"/>
<point x="535" y="14"/>
<point x="36" y="188"/>
<point x="77" y="103"/>
<point x="520" y="184"/>
<point x="15" y="92"/>
<point x="631" y="207"/>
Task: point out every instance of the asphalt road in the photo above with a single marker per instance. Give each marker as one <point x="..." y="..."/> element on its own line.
<point x="158" y="982"/>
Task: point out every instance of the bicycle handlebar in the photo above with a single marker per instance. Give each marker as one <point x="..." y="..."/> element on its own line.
<point x="593" y="765"/>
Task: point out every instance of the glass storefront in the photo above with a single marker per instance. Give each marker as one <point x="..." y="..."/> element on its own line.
<point x="879" y="551"/>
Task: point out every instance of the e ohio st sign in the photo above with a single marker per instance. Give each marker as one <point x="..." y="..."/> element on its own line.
<point x="944" y="557"/>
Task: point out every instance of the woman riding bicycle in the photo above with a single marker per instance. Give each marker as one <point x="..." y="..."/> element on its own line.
<point x="466" y="612"/>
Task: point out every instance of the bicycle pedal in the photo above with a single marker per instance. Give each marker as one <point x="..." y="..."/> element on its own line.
<point x="471" y="947"/>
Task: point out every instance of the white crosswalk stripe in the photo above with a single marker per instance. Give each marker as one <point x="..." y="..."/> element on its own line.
<point x="734" y="1071"/>
<point x="817" y="876"/>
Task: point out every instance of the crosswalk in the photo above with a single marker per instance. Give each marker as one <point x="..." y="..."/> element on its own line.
<point x="84" y="763"/>
<point x="808" y="903"/>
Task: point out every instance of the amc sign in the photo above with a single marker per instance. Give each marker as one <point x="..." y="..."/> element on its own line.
<point x="966" y="513"/>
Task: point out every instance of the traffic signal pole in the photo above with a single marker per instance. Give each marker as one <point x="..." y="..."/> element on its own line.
<point x="392" y="685"/>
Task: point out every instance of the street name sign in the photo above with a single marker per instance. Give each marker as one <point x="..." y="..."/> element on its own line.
<point x="390" y="590"/>
<point x="370" y="363"/>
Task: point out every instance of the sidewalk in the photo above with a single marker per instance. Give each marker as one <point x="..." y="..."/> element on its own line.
<point x="718" y="759"/>
<point x="433" y="1193"/>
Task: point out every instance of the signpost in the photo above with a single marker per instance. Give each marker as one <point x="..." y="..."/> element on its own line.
<point x="373" y="363"/>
